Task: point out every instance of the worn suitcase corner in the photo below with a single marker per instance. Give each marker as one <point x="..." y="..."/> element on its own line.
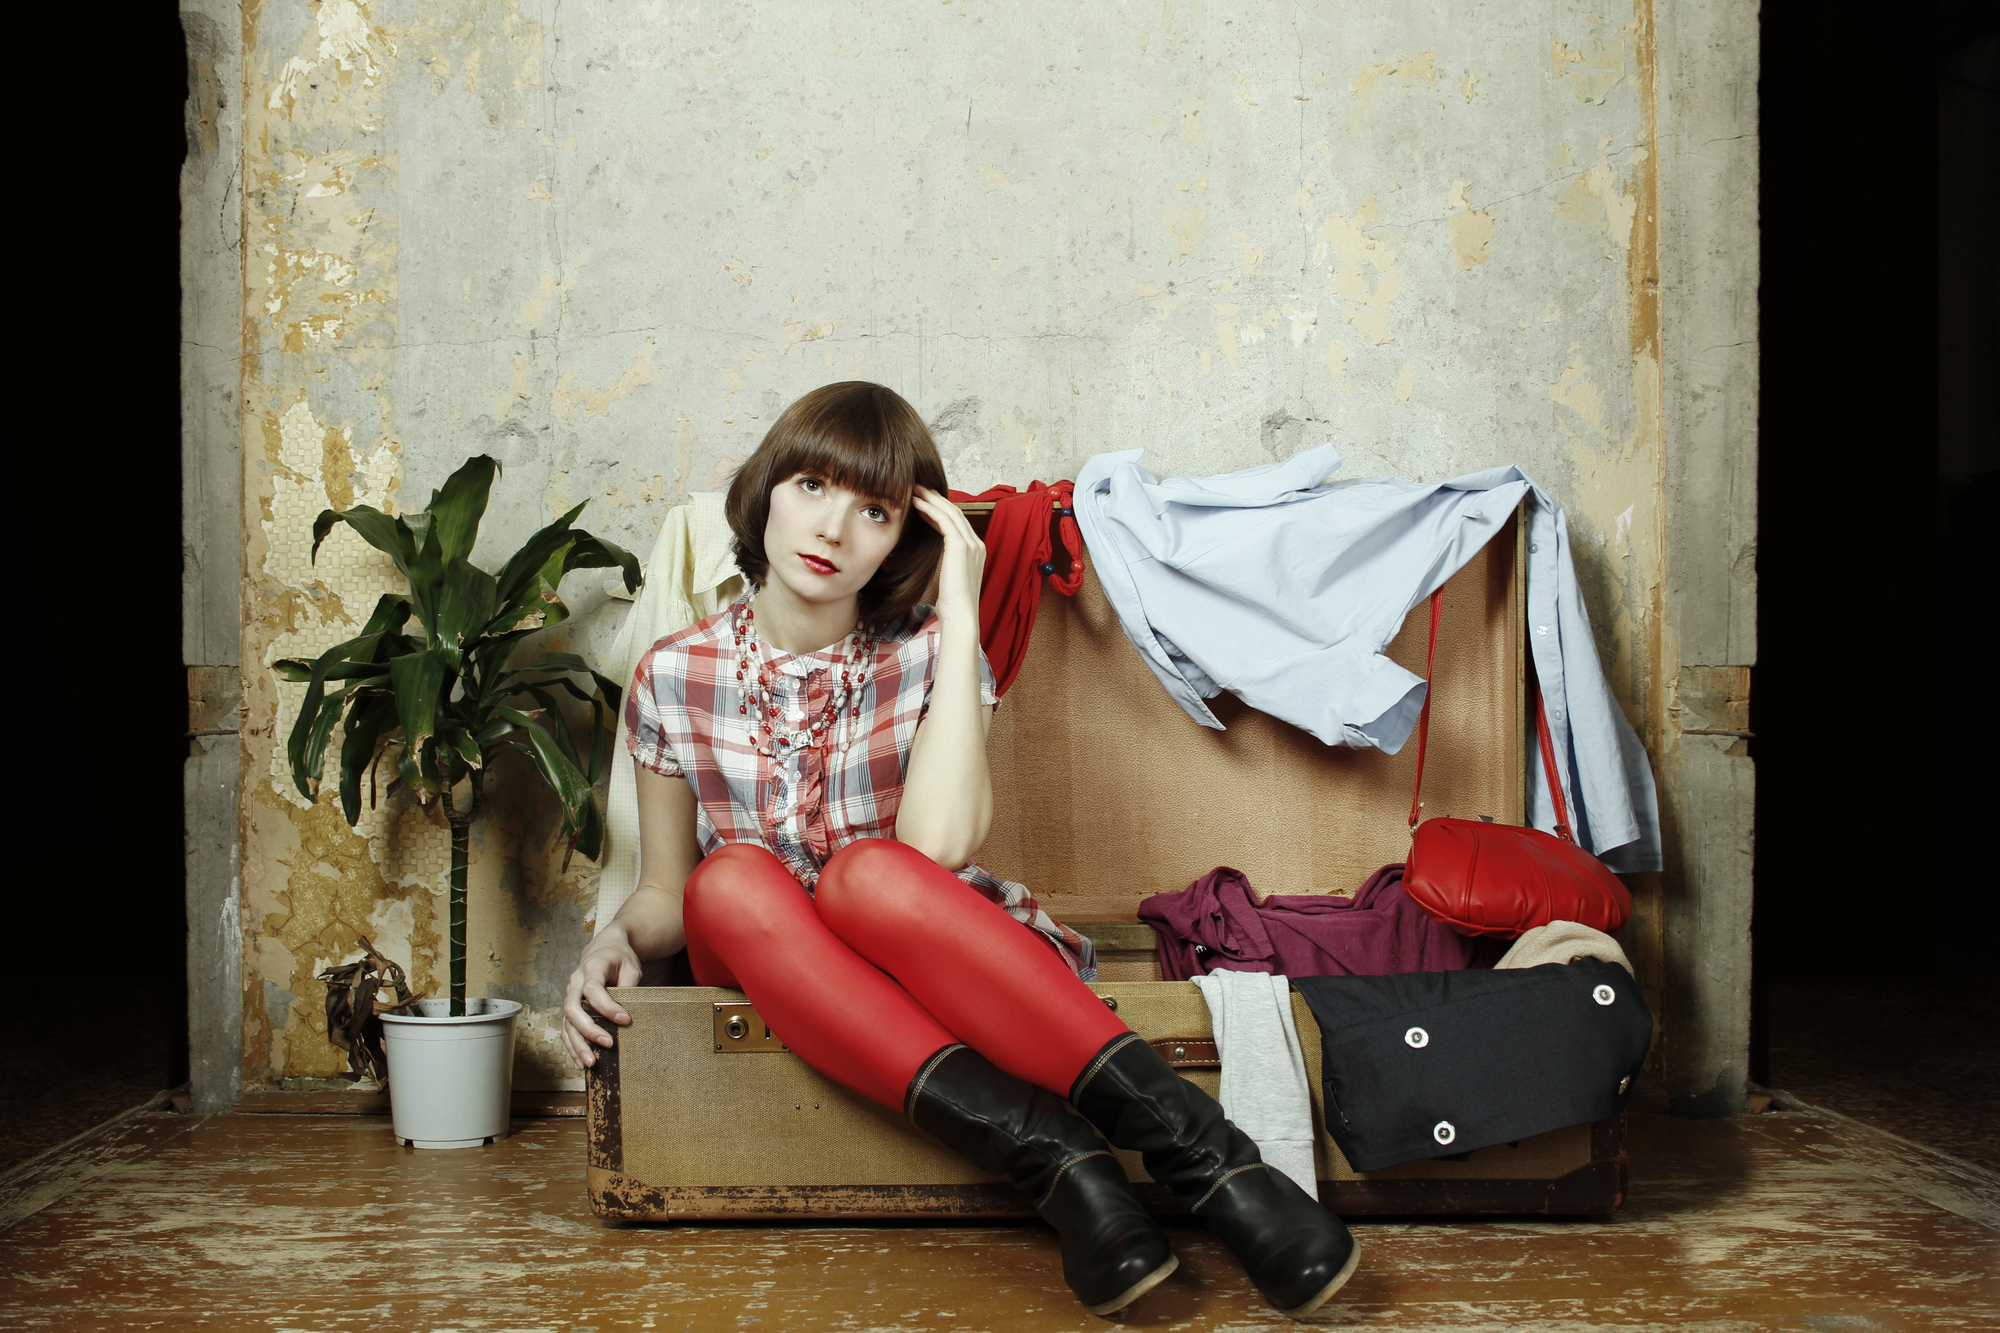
<point x="619" y="1198"/>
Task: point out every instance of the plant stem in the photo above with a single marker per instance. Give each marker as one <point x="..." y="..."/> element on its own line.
<point x="461" y="849"/>
<point x="461" y="855"/>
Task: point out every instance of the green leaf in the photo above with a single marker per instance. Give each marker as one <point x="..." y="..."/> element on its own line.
<point x="352" y="670"/>
<point x="418" y="767"/>
<point x="305" y="748"/>
<point x="467" y="749"/>
<point x="605" y="725"/>
<point x="293" y="669"/>
<point x="610" y="690"/>
<point x="491" y="651"/>
<point x="391" y="536"/>
<point x="538" y="594"/>
<point x="457" y="506"/>
<point x="563" y="776"/>
<point x="595" y="553"/>
<point x="366" y="722"/>
<point x="310" y="734"/>
<point x="603" y="703"/>
<point x="558" y="725"/>
<point x="492" y="731"/>
<point x="392" y="612"/>
<point x="553" y="662"/>
<point x="465" y="604"/>
<point x="419" y="524"/>
<point x="524" y="564"/>
<point x="426" y="575"/>
<point x="563" y="683"/>
<point x="419" y="681"/>
<point x="589" y="838"/>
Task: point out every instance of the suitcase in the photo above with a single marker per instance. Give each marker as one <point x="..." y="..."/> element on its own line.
<point x="1105" y="792"/>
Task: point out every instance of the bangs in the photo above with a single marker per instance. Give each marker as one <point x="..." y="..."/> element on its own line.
<point x="854" y="435"/>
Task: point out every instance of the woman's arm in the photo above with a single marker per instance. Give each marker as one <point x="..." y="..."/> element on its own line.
<point x="647" y="926"/>
<point x="947" y="792"/>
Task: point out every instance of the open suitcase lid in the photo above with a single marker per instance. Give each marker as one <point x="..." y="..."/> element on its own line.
<point x="1105" y="792"/>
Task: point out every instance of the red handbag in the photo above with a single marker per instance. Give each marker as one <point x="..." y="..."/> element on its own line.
<point x="1481" y="878"/>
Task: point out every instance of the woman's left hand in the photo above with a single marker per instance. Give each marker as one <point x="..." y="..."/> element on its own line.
<point x="964" y="558"/>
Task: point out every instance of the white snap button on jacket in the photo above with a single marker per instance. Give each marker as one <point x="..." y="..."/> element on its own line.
<point x="1418" y="1038"/>
<point x="1604" y="995"/>
<point x="1444" y="1133"/>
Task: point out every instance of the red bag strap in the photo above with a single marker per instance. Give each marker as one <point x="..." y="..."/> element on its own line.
<point x="1548" y="745"/>
<point x="1549" y="756"/>
<point x="1424" y="719"/>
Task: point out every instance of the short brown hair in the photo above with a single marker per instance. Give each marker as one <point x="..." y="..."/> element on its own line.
<point x="864" y="437"/>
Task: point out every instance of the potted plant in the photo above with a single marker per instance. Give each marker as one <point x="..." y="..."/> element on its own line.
<point x="429" y="688"/>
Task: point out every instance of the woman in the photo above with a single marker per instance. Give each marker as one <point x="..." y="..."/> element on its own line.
<point x="811" y="773"/>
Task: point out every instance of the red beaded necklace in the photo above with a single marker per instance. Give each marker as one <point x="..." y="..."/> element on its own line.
<point x="768" y="732"/>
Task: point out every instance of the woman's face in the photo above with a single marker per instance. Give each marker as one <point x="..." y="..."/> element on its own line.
<point x="824" y="542"/>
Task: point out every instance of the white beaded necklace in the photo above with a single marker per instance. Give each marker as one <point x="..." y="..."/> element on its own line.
<point x="843" y="705"/>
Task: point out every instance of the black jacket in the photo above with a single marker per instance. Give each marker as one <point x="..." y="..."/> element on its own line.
<point x="1434" y="1064"/>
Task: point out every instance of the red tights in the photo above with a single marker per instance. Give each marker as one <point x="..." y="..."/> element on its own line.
<point x="890" y="959"/>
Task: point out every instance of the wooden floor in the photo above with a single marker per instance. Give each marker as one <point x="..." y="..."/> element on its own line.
<point x="1795" y="1220"/>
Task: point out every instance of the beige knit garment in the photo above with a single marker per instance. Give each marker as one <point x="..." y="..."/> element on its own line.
<point x="691" y="576"/>
<point x="1563" y="942"/>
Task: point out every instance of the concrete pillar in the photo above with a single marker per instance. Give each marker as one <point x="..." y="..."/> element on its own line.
<point x="1707" y="283"/>
<point x="211" y="543"/>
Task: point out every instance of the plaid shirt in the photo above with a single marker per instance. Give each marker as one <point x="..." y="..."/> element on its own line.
<point x="684" y="716"/>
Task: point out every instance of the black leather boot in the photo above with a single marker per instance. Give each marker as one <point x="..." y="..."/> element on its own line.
<point x="1113" y="1251"/>
<point x="1296" y="1251"/>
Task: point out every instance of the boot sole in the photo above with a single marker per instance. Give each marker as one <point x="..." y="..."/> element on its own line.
<point x="1154" y="1279"/>
<point x="1326" y="1293"/>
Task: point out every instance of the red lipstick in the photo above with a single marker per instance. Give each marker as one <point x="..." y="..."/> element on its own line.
<point x="819" y="566"/>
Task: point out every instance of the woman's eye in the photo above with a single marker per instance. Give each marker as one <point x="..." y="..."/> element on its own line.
<point x="877" y="513"/>
<point x="810" y="485"/>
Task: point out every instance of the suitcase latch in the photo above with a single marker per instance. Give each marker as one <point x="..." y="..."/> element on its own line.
<point x="1188" y="1052"/>
<point x="738" y="1028"/>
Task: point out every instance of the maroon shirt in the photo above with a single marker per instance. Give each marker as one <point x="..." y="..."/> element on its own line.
<point x="1217" y="922"/>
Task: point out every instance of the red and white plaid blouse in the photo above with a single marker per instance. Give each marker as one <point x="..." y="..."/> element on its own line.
<point x="684" y="715"/>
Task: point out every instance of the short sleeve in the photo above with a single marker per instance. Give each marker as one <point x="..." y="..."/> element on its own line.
<point x="987" y="694"/>
<point x="645" y="729"/>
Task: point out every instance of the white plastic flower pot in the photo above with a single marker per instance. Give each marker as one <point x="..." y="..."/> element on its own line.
<point x="450" y="1079"/>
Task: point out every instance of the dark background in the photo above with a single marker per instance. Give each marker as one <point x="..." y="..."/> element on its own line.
<point x="1871" y="698"/>
<point x="1873" y="783"/>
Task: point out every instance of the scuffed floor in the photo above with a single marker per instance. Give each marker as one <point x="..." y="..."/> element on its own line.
<point x="1793" y="1220"/>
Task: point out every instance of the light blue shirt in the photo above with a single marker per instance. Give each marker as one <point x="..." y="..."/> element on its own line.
<point x="1284" y="588"/>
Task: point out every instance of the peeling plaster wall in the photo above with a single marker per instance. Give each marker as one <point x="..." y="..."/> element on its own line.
<point x="608" y="245"/>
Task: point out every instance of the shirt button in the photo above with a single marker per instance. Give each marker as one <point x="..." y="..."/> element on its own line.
<point x="1444" y="1132"/>
<point x="1604" y="995"/>
<point x="1417" y="1038"/>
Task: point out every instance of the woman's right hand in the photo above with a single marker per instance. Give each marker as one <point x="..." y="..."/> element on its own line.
<point x="607" y="959"/>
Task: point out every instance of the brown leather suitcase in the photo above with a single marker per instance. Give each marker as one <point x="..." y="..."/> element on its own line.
<point x="1105" y="792"/>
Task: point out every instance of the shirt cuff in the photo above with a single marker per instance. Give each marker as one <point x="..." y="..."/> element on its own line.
<point x="655" y="756"/>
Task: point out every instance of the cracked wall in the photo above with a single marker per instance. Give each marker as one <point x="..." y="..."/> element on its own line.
<point x="608" y="245"/>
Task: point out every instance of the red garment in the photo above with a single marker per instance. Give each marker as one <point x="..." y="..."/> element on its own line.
<point x="1217" y="921"/>
<point x="1018" y="549"/>
<point x="890" y="959"/>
